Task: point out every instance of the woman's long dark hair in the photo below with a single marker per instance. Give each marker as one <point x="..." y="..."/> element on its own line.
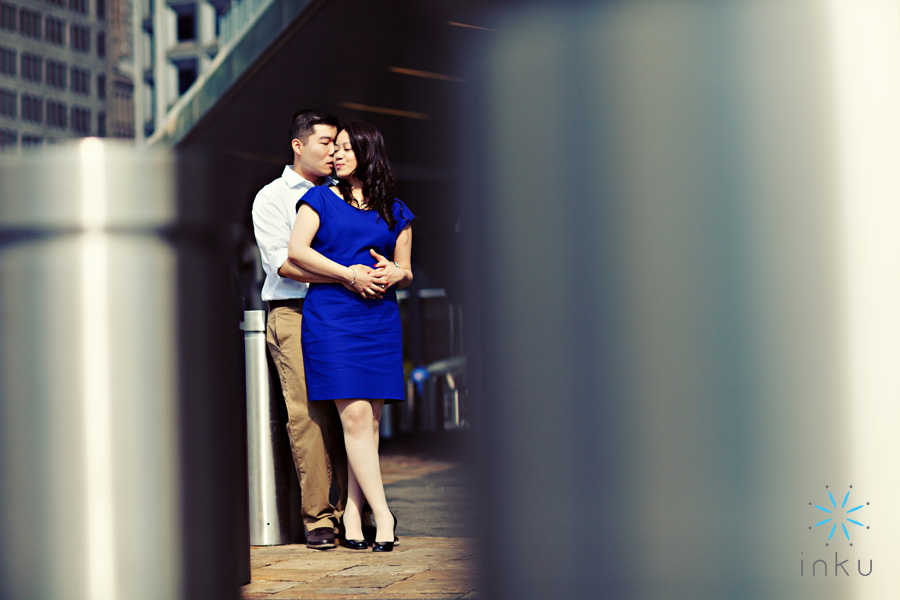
<point x="372" y="170"/>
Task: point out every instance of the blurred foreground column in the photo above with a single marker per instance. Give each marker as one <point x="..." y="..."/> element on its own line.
<point x="686" y="298"/>
<point x="122" y="459"/>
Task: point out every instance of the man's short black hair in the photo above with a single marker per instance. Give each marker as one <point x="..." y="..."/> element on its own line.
<point x="303" y="122"/>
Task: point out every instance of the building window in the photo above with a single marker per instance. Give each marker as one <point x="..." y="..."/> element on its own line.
<point x="32" y="67"/>
<point x="101" y="86"/>
<point x="8" y="140"/>
<point x="30" y="23"/>
<point x="60" y="3"/>
<point x="101" y="44"/>
<point x="187" y="74"/>
<point x="81" y="81"/>
<point x="31" y="141"/>
<point x="56" y="74"/>
<point x="55" y="30"/>
<point x="80" y="37"/>
<point x="187" y="23"/>
<point x="7" y="16"/>
<point x="81" y="120"/>
<point x="101" y="9"/>
<point x="8" y="100"/>
<point x="101" y="124"/>
<point x="79" y="6"/>
<point x="57" y="114"/>
<point x="7" y="61"/>
<point x="32" y="108"/>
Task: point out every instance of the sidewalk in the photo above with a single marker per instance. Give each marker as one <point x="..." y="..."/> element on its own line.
<point x="427" y="486"/>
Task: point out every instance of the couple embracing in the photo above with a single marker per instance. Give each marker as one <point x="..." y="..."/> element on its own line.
<point x="335" y="245"/>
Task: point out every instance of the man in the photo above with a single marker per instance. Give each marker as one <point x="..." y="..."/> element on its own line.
<point x="314" y="428"/>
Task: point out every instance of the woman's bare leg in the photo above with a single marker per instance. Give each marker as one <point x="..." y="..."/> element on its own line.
<point x="377" y="412"/>
<point x="352" y="517"/>
<point x="360" y="420"/>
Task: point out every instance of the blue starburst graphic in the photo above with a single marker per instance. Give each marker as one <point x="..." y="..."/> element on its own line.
<point x="838" y="516"/>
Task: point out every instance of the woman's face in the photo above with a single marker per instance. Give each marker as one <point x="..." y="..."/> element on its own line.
<point x="344" y="159"/>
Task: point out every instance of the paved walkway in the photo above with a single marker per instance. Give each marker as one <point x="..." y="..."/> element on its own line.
<point x="427" y="486"/>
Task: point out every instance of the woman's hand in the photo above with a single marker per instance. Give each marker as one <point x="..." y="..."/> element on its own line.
<point x="368" y="283"/>
<point x="391" y="271"/>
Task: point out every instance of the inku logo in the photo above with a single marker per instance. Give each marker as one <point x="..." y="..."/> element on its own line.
<point x="838" y="516"/>
<point x="847" y="514"/>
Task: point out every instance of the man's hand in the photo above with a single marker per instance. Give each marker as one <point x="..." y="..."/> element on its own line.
<point x="387" y="269"/>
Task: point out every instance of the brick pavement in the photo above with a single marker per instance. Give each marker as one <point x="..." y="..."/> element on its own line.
<point x="427" y="486"/>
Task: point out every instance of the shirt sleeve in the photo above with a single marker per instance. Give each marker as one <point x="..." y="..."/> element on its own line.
<point x="316" y="199"/>
<point x="272" y="231"/>
<point x="402" y="215"/>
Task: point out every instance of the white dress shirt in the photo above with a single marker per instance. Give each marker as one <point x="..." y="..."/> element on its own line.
<point x="274" y="213"/>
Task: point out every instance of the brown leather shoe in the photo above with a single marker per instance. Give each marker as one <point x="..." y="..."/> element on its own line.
<point x="320" y="538"/>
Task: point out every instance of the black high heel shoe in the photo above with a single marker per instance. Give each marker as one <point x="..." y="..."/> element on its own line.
<point x="352" y="544"/>
<point x="369" y="532"/>
<point x="386" y="546"/>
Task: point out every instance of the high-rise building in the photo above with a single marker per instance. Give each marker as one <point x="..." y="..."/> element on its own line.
<point x="179" y="39"/>
<point x="64" y="71"/>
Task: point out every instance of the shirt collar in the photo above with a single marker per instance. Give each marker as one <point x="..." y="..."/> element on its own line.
<point x="294" y="179"/>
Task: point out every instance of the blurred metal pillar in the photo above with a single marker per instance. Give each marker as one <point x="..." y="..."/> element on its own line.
<point x="270" y="467"/>
<point x="121" y="424"/>
<point x="684" y="296"/>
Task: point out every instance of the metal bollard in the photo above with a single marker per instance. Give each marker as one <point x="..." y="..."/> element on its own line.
<point x="270" y="471"/>
<point x="120" y="428"/>
<point x="712" y="349"/>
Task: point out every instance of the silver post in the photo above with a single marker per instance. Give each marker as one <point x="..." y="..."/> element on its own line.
<point x="270" y="469"/>
<point x="709" y="201"/>
<point x="121" y="455"/>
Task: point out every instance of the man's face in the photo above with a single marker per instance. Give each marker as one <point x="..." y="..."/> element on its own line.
<point x="316" y="156"/>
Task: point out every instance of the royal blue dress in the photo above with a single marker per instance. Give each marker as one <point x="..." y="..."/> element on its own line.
<point x="352" y="346"/>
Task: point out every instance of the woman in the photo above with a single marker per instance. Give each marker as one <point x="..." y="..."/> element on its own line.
<point x="351" y="333"/>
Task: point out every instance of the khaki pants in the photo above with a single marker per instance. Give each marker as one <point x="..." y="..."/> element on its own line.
<point x="314" y="428"/>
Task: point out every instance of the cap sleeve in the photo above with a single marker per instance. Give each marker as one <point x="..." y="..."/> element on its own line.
<point x="402" y="215"/>
<point x="316" y="200"/>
